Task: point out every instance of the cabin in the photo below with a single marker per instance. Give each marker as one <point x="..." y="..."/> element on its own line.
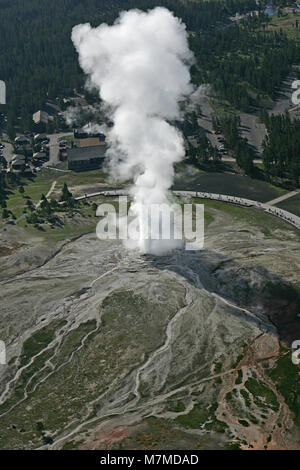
<point x="40" y="117"/>
<point x="18" y="165"/>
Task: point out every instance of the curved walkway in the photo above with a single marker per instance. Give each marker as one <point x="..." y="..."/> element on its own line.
<point x="272" y="210"/>
<point x="283" y="197"/>
<point x="47" y="195"/>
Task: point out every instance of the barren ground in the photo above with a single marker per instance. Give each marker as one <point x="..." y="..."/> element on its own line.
<point x="110" y="349"/>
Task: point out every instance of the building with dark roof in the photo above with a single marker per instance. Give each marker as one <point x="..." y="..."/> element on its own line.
<point x="86" y="158"/>
<point x="18" y="165"/>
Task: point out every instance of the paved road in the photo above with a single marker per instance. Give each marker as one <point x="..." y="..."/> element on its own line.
<point x="205" y="121"/>
<point x="8" y="152"/>
<point x="54" y="147"/>
<point x="252" y="130"/>
<point x="284" y="99"/>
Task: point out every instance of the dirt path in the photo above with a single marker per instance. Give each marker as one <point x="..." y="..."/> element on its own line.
<point x="282" y="198"/>
<point x="48" y="194"/>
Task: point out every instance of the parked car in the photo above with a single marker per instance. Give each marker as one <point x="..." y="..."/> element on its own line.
<point x="63" y="144"/>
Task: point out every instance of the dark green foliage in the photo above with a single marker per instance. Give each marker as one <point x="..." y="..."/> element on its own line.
<point x="47" y="440"/>
<point x="244" y="423"/>
<point x="66" y="196"/>
<point x="229" y="124"/>
<point x="36" y="343"/>
<point x="286" y="376"/>
<point x="281" y="146"/>
<point x="262" y="395"/>
<point x="30" y="205"/>
<point x="233" y="446"/>
<point x="239" y="378"/>
<point x="5" y="214"/>
<point x="39" y="426"/>
<point x="245" y="395"/>
<point x="244" y="58"/>
<point x="199" y="416"/>
<point x="282" y="291"/>
<point x="38" y="60"/>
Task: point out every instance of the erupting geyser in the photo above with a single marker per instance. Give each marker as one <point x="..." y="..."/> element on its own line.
<point x="140" y="66"/>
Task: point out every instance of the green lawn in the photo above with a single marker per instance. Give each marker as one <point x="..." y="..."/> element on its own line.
<point x="85" y="177"/>
<point x="262" y="394"/>
<point x="285" y="22"/>
<point x="41" y="183"/>
<point x="292" y="205"/>
<point x="33" y="187"/>
<point x="68" y="139"/>
<point x="231" y="185"/>
<point x="268" y="223"/>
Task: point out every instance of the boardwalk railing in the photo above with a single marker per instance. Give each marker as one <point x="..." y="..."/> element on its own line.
<point x="272" y="210"/>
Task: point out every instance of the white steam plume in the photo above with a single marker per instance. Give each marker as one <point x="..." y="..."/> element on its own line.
<point x="140" y="66"/>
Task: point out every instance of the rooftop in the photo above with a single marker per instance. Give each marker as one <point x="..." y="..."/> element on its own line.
<point x="90" y="142"/>
<point x="86" y="153"/>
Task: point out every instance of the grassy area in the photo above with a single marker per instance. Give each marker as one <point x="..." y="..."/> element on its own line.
<point x="76" y="221"/>
<point x="33" y="189"/>
<point x="68" y="139"/>
<point x="154" y="433"/>
<point x="31" y="347"/>
<point x="287" y="22"/>
<point x="232" y="185"/>
<point x="292" y="205"/>
<point x="221" y="106"/>
<point x="266" y="222"/>
<point x="202" y="416"/>
<point x="38" y="341"/>
<point x="263" y="396"/>
<point x="82" y="178"/>
<point x="196" y="418"/>
<point x="69" y="230"/>
<point x="286" y="377"/>
<point x="176" y="407"/>
<point x="41" y="183"/>
<point x="106" y="355"/>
